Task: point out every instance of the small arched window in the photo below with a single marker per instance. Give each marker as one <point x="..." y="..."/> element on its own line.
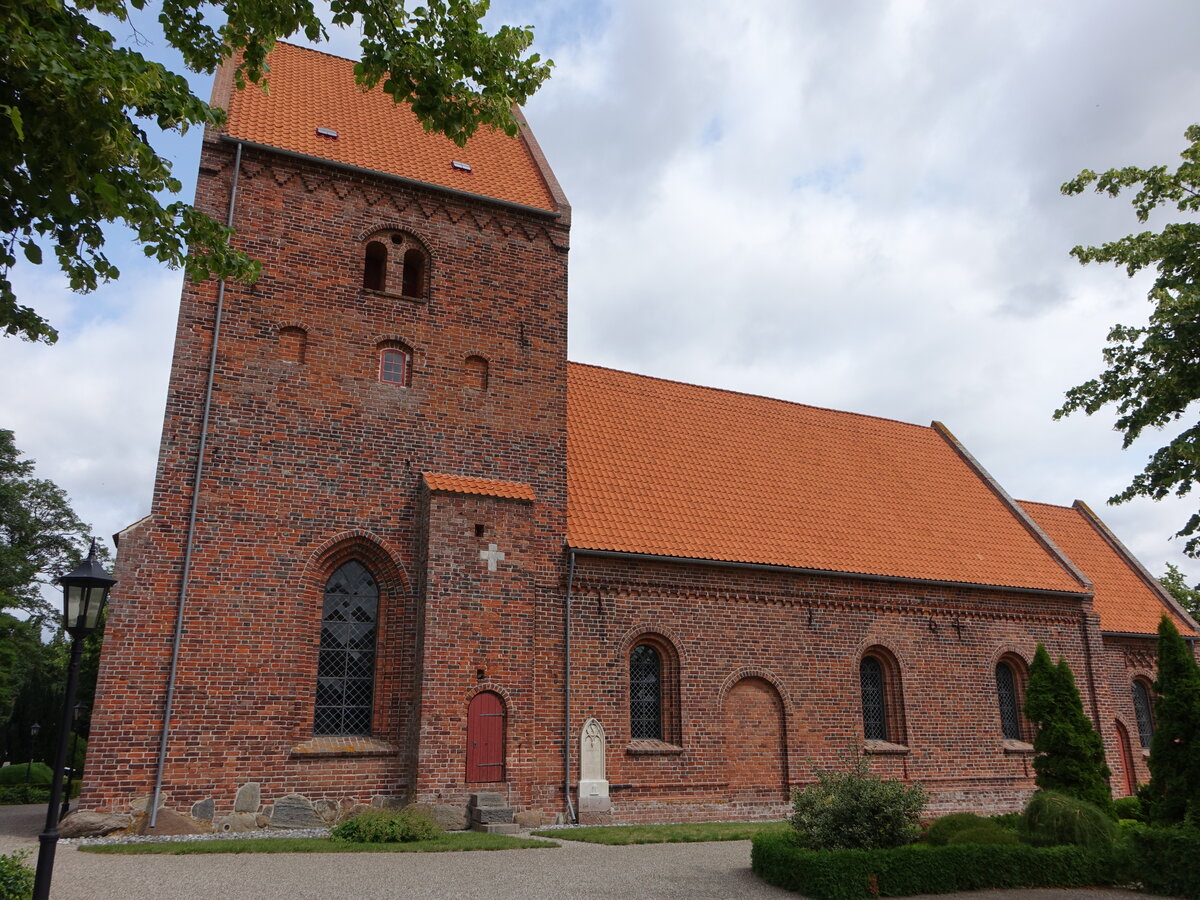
<point x="346" y="660"/>
<point x="882" y="701"/>
<point x="645" y="694"/>
<point x="414" y="273"/>
<point x="395" y="364"/>
<point x="375" y="266"/>
<point x="1007" y="697"/>
<point x="477" y="373"/>
<point x="1143" y="708"/>
<point x="293" y="343"/>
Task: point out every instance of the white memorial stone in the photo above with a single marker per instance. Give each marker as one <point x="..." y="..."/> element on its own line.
<point x="593" y="785"/>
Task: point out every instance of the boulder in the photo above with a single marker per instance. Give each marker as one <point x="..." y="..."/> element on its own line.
<point x="451" y="816"/>
<point x="204" y="810"/>
<point x="295" y="811"/>
<point x="170" y="822"/>
<point x="238" y="823"/>
<point x="530" y="818"/>
<point x="92" y="823"/>
<point x="249" y="798"/>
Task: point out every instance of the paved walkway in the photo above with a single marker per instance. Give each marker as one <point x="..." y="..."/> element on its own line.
<point x="592" y="871"/>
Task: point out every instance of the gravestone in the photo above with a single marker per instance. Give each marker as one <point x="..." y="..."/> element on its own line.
<point x="593" y="785"/>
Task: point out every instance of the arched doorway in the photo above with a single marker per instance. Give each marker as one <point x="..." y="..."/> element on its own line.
<point x="1126" y="758"/>
<point x="486" y="716"/>
<point x="755" y="742"/>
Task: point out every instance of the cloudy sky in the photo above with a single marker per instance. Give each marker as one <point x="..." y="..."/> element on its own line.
<point x="852" y="204"/>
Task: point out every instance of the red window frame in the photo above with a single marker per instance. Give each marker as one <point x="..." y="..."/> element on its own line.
<point x="388" y="374"/>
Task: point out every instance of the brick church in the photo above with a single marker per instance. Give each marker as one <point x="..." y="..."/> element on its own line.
<point x="401" y="550"/>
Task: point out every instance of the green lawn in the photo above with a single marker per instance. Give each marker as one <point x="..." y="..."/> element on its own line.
<point x="463" y="840"/>
<point x="664" y="834"/>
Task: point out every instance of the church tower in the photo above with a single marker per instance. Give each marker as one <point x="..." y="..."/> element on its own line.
<point x="350" y="582"/>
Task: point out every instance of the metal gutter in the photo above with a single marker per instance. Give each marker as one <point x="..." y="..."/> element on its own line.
<point x="1144" y="635"/>
<point x="797" y="570"/>
<point x="567" y="691"/>
<point x="359" y="170"/>
<point x="195" y="506"/>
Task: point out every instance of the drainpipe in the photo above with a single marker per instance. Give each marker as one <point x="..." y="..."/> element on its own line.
<point x="191" y="532"/>
<point x="567" y="693"/>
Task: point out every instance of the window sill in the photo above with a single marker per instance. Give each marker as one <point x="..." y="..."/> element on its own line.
<point x="884" y="748"/>
<point x="390" y="295"/>
<point x="331" y="746"/>
<point x="652" y="748"/>
<point x="1017" y="748"/>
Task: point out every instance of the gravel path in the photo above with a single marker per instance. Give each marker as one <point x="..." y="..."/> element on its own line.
<point x="575" y="870"/>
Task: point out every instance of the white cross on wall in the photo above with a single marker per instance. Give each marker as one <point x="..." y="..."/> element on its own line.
<point x="492" y="555"/>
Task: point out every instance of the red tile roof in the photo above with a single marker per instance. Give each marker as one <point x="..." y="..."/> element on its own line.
<point x="311" y="90"/>
<point x="484" y="487"/>
<point x="1125" y="602"/>
<point x="669" y="469"/>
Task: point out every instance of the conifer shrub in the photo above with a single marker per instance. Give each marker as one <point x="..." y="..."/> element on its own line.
<point x="388" y="826"/>
<point x="1129" y="809"/>
<point x="1069" y="751"/>
<point x="16" y="878"/>
<point x="1173" y="795"/>
<point x="987" y="833"/>
<point x="946" y="827"/>
<point x="1051" y="819"/>
<point x="856" y="810"/>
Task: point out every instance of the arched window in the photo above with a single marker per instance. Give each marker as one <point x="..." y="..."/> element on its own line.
<point x="375" y="266"/>
<point x="414" y="273"/>
<point x="882" y="701"/>
<point x="1144" y="710"/>
<point x="395" y="364"/>
<point x="645" y="694"/>
<point x="1011" y="676"/>
<point x="293" y="343"/>
<point x="346" y="660"/>
<point x="476" y="373"/>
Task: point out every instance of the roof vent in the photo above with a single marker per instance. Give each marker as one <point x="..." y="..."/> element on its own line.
<point x="328" y="132"/>
<point x="461" y="166"/>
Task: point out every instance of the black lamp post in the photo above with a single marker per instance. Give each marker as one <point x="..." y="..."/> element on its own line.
<point x="85" y="589"/>
<point x="66" y="806"/>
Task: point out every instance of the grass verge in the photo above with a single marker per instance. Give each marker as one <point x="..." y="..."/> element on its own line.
<point x="464" y="840"/>
<point x="665" y="834"/>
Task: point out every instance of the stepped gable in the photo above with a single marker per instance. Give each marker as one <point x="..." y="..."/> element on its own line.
<point x="311" y="90"/>
<point x="1125" y="599"/>
<point x="669" y="469"/>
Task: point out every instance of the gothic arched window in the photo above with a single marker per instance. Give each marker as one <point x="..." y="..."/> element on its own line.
<point x="1144" y="710"/>
<point x="346" y="661"/>
<point x="1006" y="696"/>
<point x="645" y="694"/>
<point x="882" y="701"/>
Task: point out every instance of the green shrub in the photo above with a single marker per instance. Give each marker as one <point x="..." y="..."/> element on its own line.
<point x="20" y="794"/>
<point x="1129" y="808"/>
<point x="16" y="878"/>
<point x="40" y="773"/>
<point x="1009" y="821"/>
<point x="903" y="871"/>
<point x="857" y="810"/>
<point x="943" y="829"/>
<point x="388" y="826"/>
<point x="1051" y="818"/>
<point x="988" y="833"/>
<point x="1165" y="860"/>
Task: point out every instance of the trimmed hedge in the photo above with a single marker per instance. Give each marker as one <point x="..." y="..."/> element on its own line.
<point x="1166" y="860"/>
<point x="854" y="874"/>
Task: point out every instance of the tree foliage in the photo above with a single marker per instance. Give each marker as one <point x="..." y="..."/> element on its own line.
<point x="77" y="111"/>
<point x="1153" y="371"/>
<point x="1177" y="586"/>
<point x="1069" y="752"/>
<point x="1173" y="795"/>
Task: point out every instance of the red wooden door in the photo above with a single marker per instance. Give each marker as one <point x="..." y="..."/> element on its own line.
<point x="1126" y="758"/>
<point x="485" y="737"/>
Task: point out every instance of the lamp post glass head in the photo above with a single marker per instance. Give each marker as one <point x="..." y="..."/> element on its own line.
<point x="85" y="590"/>
<point x="34" y="729"/>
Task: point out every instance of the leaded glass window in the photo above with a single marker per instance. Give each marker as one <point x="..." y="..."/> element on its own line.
<point x="645" y="693"/>
<point x="1006" y="694"/>
<point x="1145" y="713"/>
<point x="874" y="703"/>
<point x="346" y="664"/>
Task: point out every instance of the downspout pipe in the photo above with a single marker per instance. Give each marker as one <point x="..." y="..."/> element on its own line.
<point x="567" y="691"/>
<point x="195" y="506"/>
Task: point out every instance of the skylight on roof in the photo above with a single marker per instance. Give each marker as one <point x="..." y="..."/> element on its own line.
<point x="327" y="132"/>
<point x="461" y="166"/>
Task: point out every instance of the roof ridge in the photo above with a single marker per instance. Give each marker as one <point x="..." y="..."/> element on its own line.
<point x="717" y="390"/>
<point x="279" y="41"/>
<point x="1044" y="503"/>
